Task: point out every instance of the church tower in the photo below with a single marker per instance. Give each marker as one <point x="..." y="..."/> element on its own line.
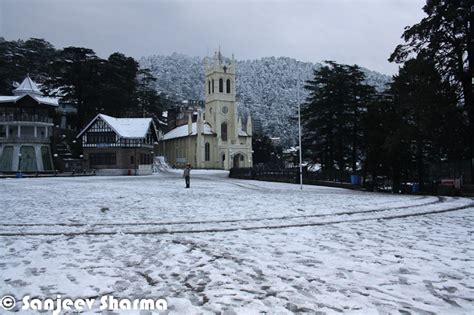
<point x="221" y="109"/>
<point x="216" y="140"/>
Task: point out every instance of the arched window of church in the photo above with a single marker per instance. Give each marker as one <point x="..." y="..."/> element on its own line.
<point x="228" y="85"/>
<point x="212" y="85"/>
<point x="209" y="86"/>
<point x="221" y="86"/>
<point x="207" y="151"/>
<point x="224" y="131"/>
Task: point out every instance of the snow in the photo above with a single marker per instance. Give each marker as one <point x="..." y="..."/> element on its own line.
<point x="28" y="86"/>
<point x="243" y="133"/>
<point x="8" y="99"/>
<point x="183" y="131"/>
<point x="125" y="127"/>
<point x="47" y="100"/>
<point x="236" y="246"/>
<point x="40" y="99"/>
<point x="266" y="87"/>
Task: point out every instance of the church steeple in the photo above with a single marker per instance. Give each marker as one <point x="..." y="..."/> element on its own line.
<point x="221" y="109"/>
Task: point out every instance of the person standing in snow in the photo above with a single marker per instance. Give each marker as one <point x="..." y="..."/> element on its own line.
<point x="186" y="174"/>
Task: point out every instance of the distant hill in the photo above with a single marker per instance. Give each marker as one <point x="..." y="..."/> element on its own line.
<point x="267" y="87"/>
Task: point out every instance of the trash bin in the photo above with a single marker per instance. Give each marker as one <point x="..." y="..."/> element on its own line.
<point x="415" y="188"/>
<point x="355" y="179"/>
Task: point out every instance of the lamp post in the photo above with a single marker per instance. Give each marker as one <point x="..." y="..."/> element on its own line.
<point x="299" y="131"/>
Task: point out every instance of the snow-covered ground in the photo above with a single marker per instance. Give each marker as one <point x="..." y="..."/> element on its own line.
<point x="236" y="246"/>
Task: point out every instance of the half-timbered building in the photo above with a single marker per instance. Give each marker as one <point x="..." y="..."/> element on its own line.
<point x="119" y="146"/>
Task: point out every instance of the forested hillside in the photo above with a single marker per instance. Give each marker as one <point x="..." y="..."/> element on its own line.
<point x="267" y="87"/>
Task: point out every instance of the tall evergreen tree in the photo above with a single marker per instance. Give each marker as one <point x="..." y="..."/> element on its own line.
<point x="445" y="35"/>
<point x="426" y="107"/>
<point x="19" y="58"/>
<point x="119" y="81"/>
<point x="332" y="116"/>
<point x="76" y="79"/>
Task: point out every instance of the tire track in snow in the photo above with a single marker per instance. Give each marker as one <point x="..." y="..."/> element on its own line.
<point x="439" y="200"/>
<point x="249" y="228"/>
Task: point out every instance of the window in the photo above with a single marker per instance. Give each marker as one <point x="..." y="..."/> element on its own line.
<point x="102" y="159"/>
<point x="228" y="85"/>
<point x="146" y="159"/>
<point x="221" y="86"/>
<point x="101" y="137"/>
<point x="209" y="86"/>
<point x="224" y="131"/>
<point x="132" y="159"/>
<point x="207" y="152"/>
<point x="46" y="156"/>
<point x="212" y="85"/>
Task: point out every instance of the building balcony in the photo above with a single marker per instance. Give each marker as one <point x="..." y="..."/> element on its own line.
<point x="16" y="118"/>
<point x="24" y="139"/>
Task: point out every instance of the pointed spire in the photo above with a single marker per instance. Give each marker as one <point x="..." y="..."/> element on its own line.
<point x="219" y="55"/>
<point x="199" y="123"/>
<point x="28" y="86"/>
<point x="249" y="125"/>
<point x="190" y="124"/>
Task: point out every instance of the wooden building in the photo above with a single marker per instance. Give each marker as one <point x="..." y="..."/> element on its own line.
<point x="119" y="146"/>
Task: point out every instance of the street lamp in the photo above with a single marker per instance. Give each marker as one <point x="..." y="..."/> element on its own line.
<point x="299" y="130"/>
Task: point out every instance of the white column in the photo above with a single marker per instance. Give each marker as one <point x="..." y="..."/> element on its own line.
<point x="46" y="132"/>
<point x="8" y="130"/>
<point x="36" y="131"/>
<point x="19" y="131"/>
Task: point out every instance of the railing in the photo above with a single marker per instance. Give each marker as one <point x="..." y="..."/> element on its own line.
<point x="24" y="139"/>
<point x="25" y="117"/>
<point x="291" y="175"/>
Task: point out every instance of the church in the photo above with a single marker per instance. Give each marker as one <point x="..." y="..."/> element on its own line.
<point x="216" y="140"/>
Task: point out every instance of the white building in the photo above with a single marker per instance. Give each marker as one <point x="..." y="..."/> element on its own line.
<point x="26" y="125"/>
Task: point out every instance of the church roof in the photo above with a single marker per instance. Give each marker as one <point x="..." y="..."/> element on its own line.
<point x="182" y="131"/>
<point x="243" y="133"/>
<point x="28" y="86"/>
<point x="131" y="128"/>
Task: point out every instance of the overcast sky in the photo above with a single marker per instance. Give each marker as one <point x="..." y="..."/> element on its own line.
<point x="364" y="32"/>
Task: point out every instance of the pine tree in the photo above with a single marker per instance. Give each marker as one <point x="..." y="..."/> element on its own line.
<point x="332" y="116"/>
<point x="445" y="36"/>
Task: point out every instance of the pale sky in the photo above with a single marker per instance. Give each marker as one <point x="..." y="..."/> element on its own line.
<point x="362" y="32"/>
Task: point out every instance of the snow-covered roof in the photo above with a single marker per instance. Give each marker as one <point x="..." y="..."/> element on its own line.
<point x="182" y="131"/>
<point x="40" y="99"/>
<point x="28" y="86"/>
<point x="243" y="133"/>
<point x="131" y="128"/>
